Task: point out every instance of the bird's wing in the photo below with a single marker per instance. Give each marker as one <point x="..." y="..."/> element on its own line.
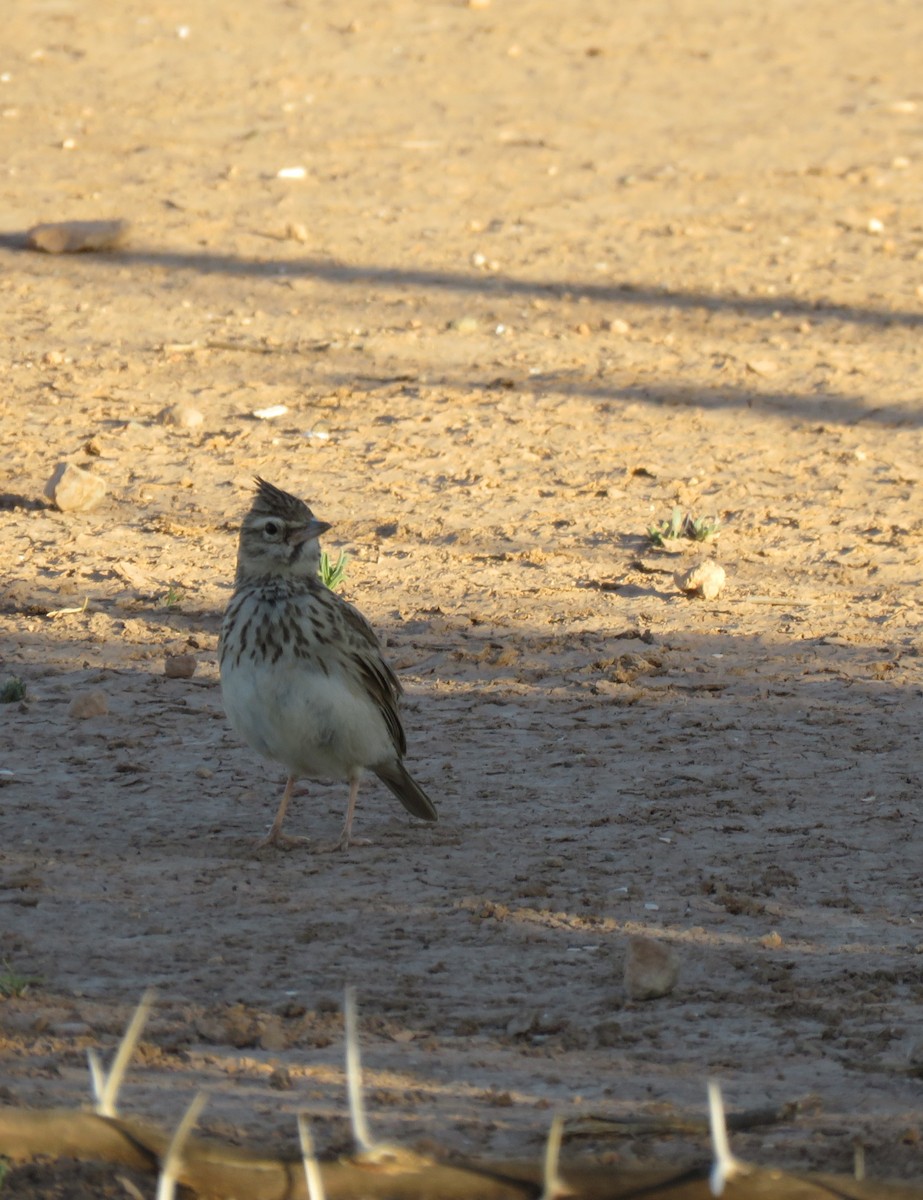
<point x="355" y="652"/>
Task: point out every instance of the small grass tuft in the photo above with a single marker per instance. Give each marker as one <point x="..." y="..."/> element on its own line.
<point x="13" y="690"/>
<point x="667" y="531"/>
<point x="332" y="573"/>
<point x="702" y="529"/>
<point x="12" y="984"/>
<point x="684" y="525"/>
<point x="171" y="598"/>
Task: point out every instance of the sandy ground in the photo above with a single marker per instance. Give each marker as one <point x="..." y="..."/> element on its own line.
<point x="547" y="273"/>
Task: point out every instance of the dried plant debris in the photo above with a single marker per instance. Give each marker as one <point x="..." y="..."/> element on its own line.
<point x="210" y="1168"/>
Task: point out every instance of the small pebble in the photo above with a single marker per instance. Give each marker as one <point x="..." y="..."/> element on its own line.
<point x="651" y="969"/>
<point x="88" y="704"/>
<point x="273" y="1036"/>
<point x="133" y="433"/>
<point x="464" y="325"/>
<point x="706" y="580"/>
<point x="522" y="1022"/>
<point x="179" y="666"/>
<point x="72" y="237"/>
<point x="609" y="1034"/>
<point x="70" y="1029"/>
<point x="72" y="489"/>
<point x="319" y="432"/>
<point x="184" y="416"/>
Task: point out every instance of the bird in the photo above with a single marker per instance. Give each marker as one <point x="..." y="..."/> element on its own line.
<point x="303" y="677"/>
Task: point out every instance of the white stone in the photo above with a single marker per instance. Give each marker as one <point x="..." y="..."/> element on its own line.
<point x="88" y="704"/>
<point x="651" y="969"/>
<point x="184" y="416"/>
<point x="707" y="579"/>
<point x="72" y="489"/>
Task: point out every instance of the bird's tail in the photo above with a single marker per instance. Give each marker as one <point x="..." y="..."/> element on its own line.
<point x="396" y="777"/>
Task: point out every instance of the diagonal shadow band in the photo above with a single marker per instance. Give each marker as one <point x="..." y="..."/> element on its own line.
<point x="825" y="405"/>
<point x="496" y="284"/>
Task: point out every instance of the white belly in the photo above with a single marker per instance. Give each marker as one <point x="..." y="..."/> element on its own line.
<point x="311" y="723"/>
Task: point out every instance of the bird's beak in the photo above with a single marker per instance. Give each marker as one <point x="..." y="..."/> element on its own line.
<point x="307" y="533"/>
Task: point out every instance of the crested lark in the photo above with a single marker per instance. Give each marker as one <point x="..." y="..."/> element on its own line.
<point x="302" y="674"/>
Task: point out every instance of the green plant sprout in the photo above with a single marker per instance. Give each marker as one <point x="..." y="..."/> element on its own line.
<point x="13" y="690"/>
<point x="684" y="525"/>
<point x="12" y="984"/>
<point x="171" y="598"/>
<point x="332" y="573"/>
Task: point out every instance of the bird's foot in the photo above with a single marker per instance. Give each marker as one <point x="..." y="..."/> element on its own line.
<point x="281" y="841"/>
<point x="344" y="843"/>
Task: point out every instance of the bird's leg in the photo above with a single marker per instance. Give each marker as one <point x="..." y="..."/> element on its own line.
<point x="275" y="837"/>
<point x="346" y="840"/>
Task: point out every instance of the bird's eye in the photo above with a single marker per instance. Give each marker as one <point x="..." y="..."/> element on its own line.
<point x="272" y="529"/>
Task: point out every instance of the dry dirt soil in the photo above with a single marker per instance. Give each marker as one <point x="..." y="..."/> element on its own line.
<point x="524" y="276"/>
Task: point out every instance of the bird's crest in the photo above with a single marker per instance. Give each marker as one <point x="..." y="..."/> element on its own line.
<point x="271" y="501"/>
